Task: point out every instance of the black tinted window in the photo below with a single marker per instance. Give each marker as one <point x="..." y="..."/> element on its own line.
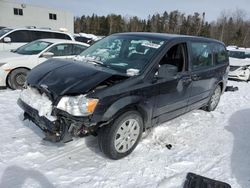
<point x="61" y="36"/>
<point x="237" y="54"/>
<point x="40" y="35"/>
<point x="44" y="34"/>
<point x="201" y="55"/>
<point x="20" y="36"/>
<point x="221" y="55"/>
<point x="77" y="49"/>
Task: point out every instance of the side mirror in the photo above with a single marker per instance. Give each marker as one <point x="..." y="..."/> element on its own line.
<point x="47" y="54"/>
<point x="7" y="39"/>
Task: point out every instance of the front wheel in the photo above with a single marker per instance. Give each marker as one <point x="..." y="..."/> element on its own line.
<point x="214" y="100"/>
<point x="120" y="139"/>
<point x="17" y="78"/>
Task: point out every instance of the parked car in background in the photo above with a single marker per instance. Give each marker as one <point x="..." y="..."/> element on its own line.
<point x="239" y="59"/>
<point x="15" y="64"/>
<point x="123" y="85"/>
<point x="87" y="38"/>
<point x="14" y="38"/>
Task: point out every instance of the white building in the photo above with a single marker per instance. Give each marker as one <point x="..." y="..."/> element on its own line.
<point x="14" y="14"/>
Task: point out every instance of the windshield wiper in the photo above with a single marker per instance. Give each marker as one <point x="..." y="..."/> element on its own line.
<point x="97" y="62"/>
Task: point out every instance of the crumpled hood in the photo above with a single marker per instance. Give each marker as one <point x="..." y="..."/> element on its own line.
<point x="64" y="77"/>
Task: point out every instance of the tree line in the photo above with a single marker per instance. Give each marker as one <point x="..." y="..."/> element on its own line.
<point x="230" y="27"/>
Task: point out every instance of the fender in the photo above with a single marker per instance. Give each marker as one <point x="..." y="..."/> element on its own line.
<point x="133" y="102"/>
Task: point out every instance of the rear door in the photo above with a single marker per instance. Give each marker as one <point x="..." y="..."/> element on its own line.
<point x="202" y="73"/>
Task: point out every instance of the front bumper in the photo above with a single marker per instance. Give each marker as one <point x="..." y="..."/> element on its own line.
<point x="51" y="128"/>
<point x="61" y="129"/>
<point x="41" y="121"/>
<point x="239" y="74"/>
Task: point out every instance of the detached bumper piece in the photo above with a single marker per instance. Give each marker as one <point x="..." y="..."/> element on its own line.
<point x="196" y="181"/>
<point x="54" y="131"/>
<point x="231" y="88"/>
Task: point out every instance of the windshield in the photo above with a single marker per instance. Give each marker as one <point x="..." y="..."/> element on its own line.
<point x="123" y="53"/>
<point x="239" y="54"/>
<point x="33" y="48"/>
<point x="4" y="31"/>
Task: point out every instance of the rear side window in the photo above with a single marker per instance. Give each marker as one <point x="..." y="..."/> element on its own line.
<point x="221" y="55"/>
<point x="43" y="35"/>
<point x="201" y="55"/>
<point x="20" y="36"/>
<point x="61" y="36"/>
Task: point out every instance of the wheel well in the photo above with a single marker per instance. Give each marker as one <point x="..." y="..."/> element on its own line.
<point x="7" y="84"/>
<point x="135" y="108"/>
<point x="221" y="85"/>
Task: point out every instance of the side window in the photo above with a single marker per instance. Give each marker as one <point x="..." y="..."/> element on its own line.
<point x="61" y="36"/>
<point x="77" y="49"/>
<point x="247" y="54"/>
<point x="20" y="36"/>
<point x="221" y="55"/>
<point x="40" y="35"/>
<point x="201" y="55"/>
<point x="61" y="50"/>
<point x="174" y="61"/>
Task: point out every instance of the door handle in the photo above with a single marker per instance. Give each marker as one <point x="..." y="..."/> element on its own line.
<point x="195" y="77"/>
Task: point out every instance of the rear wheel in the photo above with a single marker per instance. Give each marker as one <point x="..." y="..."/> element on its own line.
<point x="214" y="100"/>
<point x="120" y="139"/>
<point x="17" y="78"/>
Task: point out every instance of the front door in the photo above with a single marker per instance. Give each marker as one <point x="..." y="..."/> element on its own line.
<point x="174" y="84"/>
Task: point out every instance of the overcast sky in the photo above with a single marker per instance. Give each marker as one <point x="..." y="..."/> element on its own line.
<point x="142" y="8"/>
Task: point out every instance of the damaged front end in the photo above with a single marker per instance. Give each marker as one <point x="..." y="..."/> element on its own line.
<point x="56" y="124"/>
<point x="60" y="99"/>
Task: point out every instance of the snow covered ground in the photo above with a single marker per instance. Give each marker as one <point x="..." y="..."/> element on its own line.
<point x="216" y="145"/>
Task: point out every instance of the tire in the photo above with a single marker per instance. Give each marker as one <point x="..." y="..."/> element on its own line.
<point x="214" y="99"/>
<point x="17" y="78"/>
<point x="115" y="140"/>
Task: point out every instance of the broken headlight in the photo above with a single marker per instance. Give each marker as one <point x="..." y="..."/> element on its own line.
<point x="78" y="105"/>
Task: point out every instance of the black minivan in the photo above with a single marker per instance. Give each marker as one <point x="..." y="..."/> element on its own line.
<point x="123" y="85"/>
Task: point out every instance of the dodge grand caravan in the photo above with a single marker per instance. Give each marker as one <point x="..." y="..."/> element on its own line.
<point x="123" y="85"/>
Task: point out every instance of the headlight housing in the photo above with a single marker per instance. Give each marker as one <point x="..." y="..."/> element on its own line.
<point x="78" y="105"/>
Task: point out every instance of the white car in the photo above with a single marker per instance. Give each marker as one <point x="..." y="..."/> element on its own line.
<point x="14" y="38"/>
<point x="239" y="59"/>
<point x="14" y="65"/>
